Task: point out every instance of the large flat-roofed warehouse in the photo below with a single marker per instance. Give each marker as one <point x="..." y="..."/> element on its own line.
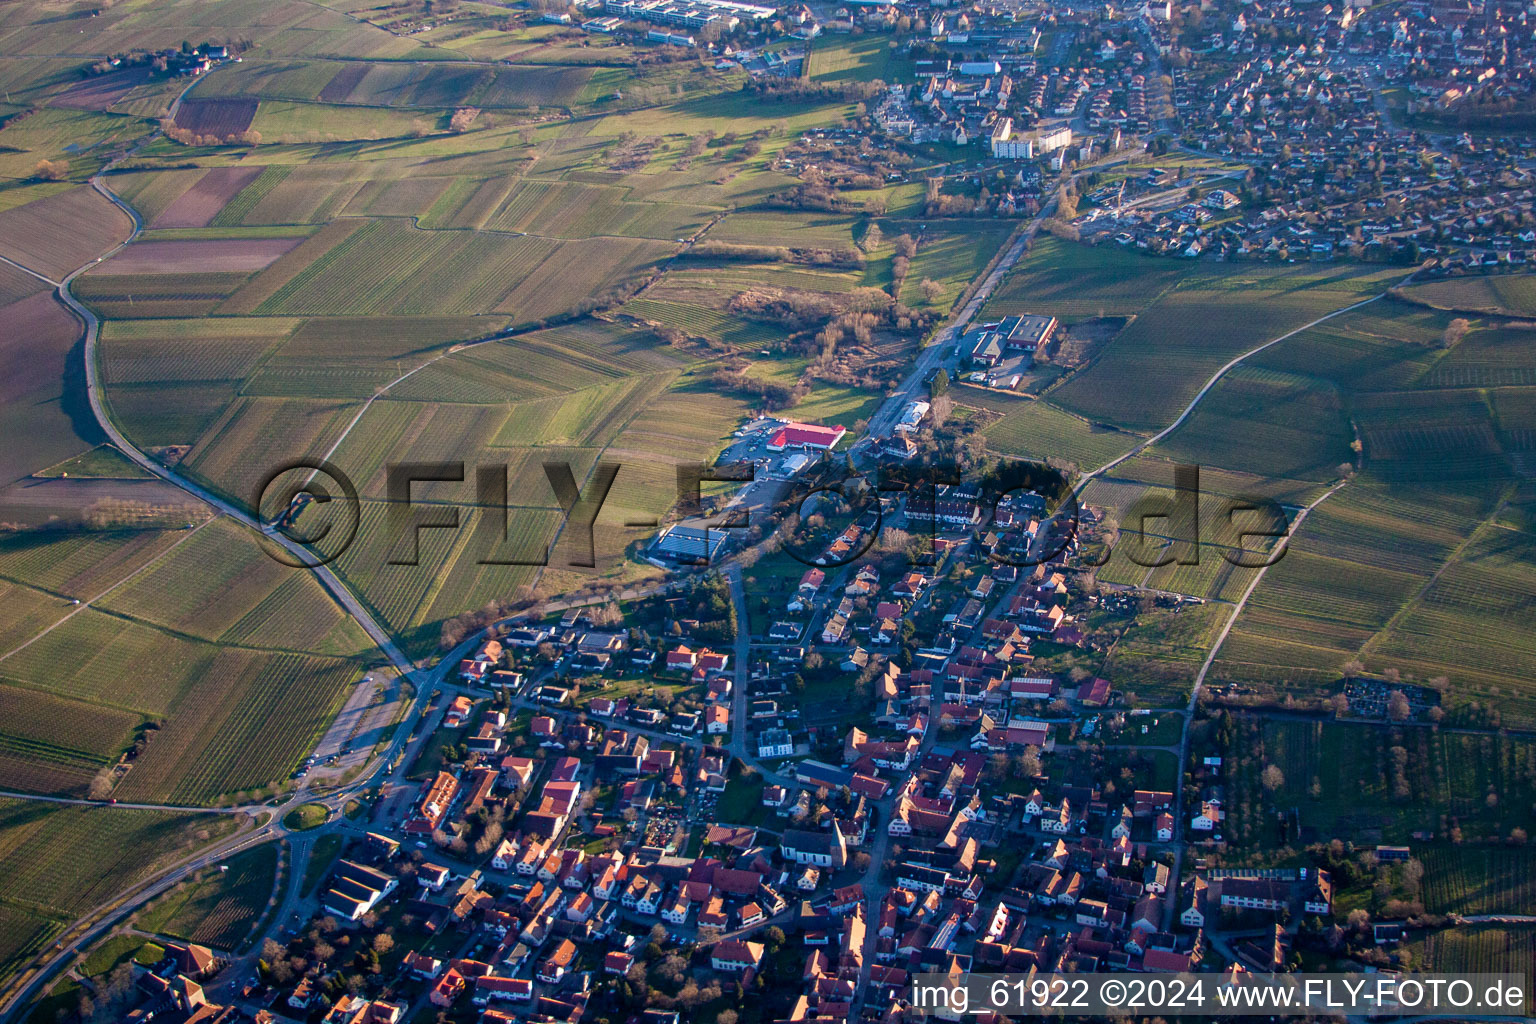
<point x="689" y="541"/>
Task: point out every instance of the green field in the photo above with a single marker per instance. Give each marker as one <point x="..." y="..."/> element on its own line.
<point x="57" y="864"/>
<point x="219" y="907"/>
<point x="1477" y="948"/>
<point x="1040" y="430"/>
<point x="103" y="462"/>
<point x="1345" y="782"/>
<point x="1149" y="372"/>
<point x="1395" y="568"/>
<point x="854" y="58"/>
<point x="1071" y="281"/>
<point x="1510" y="295"/>
<point x="219" y="636"/>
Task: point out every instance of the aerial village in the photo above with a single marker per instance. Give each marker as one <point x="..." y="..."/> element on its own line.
<point x="781" y="803"/>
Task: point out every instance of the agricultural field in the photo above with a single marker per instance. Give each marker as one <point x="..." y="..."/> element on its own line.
<point x="1469" y="624"/>
<point x="1073" y="281"/>
<point x="158" y="351"/>
<point x="56" y="746"/>
<point x="1478" y="879"/>
<point x="1361" y="556"/>
<point x="103" y="91"/>
<point x="1406" y="564"/>
<point x="1485" y="948"/>
<point x="65" y="862"/>
<point x="34" y="360"/>
<point x="244" y="727"/>
<point x="1371" y="783"/>
<point x="701" y="322"/>
<point x="1267" y="423"/>
<point x="217" y="909"/>
<point x="400" y="583"/>
<point x="211" y="583"/>
<point x="217" y="117"/>
<point x="159" y="601"/>
<point x="1503" y="294"/>
<point x="23" y="934"/>
<point x="1159" y="656"/>
<point x="59" y="863"/>
<point x="73" y="711"/>
<point x="285" y="29"/>
<point x="58" y="233"/>
<point x="1151" y="370"/>
<point x="390" y="84"/>
<point x="84" y="140"/>
<point x="1039" y="430"/>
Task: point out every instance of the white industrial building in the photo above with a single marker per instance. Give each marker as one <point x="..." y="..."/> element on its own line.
<point x="689" y="13"/>
<point x="912" y="415"/>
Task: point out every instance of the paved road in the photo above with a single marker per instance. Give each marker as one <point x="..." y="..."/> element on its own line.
<point x="388" y="765"/>
<point x="915" y="386"/>
<point x="738" y="743"/>
<point x="69" y="801"/>
<point x="338" y="591"/>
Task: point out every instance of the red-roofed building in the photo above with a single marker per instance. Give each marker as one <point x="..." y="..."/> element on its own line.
<point x="806" y="435"/>
<point x="1167" y="960"/>
<point x="868" y="786"/>
<point x="435" y="801"/>
<point x="558" y="962"/>
<point x="447" y="989"/>
<point x="458" y="712"/>
<point x="495" y="987"/>
<point x="733" y="956"/>
<point x="1094" y="692"/>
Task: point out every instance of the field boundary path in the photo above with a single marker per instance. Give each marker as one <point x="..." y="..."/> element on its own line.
<point x="83" y="605"/>
<point x="1188" y="713"/>
<point x="1143" y="445"/>
<point x="91" y="926"/>
<point x="1194" y="693"/>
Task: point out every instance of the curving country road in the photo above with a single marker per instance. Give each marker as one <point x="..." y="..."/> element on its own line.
<point x="93" y="925"/>
<point x="327" y="577"/>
